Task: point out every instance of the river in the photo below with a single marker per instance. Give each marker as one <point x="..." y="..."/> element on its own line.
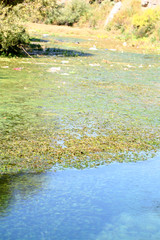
<point x="90" y="117"/>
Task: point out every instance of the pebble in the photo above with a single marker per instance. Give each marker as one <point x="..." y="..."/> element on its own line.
<point x="94" y="64"/>
<point x="113" y="50"/>
<point x="4" y="67"/>
<point x="64" y="74"/>
<point x="140" y="66"/>
<point x="93" y="48"/>
<point x="65" y="62"/>
<point x="45" y="35"/>
<point x="54" y="69"/>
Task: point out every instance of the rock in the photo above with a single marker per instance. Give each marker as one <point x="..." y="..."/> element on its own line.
<point x="144" y="3"/>
<point x="45" y="35"/>
<point x="65" y="74"/>
<point x="94" y="64"/>
<point x="114" y="10"/>
<point x="93" y="48"/>
<point x="65" y="62"/>
<point x="150" y="3"/>
<point x="54" y="69"/>
<point x="112" y="49"/>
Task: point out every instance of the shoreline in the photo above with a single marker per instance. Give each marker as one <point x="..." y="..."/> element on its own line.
<point x="105" y="39"/>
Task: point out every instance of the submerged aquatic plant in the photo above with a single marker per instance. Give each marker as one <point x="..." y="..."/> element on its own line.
<point x="86" y="113"/>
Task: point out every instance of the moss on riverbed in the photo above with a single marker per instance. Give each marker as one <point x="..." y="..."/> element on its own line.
<point x="77" y="110"/>
<point x="35" y="151"/>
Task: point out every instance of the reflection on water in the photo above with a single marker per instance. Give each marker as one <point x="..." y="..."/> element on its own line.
<point x="120" y="201"/>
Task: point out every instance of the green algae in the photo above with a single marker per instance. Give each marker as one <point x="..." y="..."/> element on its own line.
<point x="77" y="110"/>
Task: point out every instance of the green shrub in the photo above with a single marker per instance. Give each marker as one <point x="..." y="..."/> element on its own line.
<point x="48" y="11"/>
<point x="158" y="33"/>
<point x="39" y="11"/>
<point x="144" y="24"/>
<point x="11" y="2"/>
<point x="98" y="13"/>
<point x="72" y="12"/>
<point x="12" y="32"/>
<point x="122" y="20"/>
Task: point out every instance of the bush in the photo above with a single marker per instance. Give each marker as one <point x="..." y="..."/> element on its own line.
<point x="48" y="10"/>
<point x="12" y="32"/>
<point x="158" y="33"/>
<point x="39" y="11"/>
<point x="72" y="12"/>
<point x="144" y="24"/>
<point x="11" y="2"/>
<point x="98" y="12"/>
<point x="123" y="18"/>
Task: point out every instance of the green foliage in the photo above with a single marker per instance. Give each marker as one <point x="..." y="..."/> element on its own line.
<point x="93" y="1"/>
<point x="12" y="32"/>
<point x="158" y="33"/>
<point x="122" y="20"/>
<point x="145" y="23"/>
<point x="39" y="11"/>
<point x="47" y="10"/>
<point x="72" y="12"/>
<point x="11" y="2"/>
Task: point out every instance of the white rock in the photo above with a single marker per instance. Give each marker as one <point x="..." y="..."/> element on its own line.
<point x="114" y="10"/>
<point x="65" y="62"/>
<point x="45" y="35"/>
<point x="4" y="67"/>
<point x="54" y="69"/>
<point x="93" y="48"/>
<point x="94" y="64"/>
<point x="129" y="66"/>
<point x="112" y="49"/>
<point x="64" y="74"/>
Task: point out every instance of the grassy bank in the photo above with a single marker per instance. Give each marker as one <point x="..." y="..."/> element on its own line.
<point x="133" y="26"/>
<point x="101" y="38"/>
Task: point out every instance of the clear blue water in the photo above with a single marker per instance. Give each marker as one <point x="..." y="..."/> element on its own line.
<point x="120" y="201"/>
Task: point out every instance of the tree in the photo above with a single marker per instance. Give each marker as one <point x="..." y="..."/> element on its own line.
<point x="10" y="2"/>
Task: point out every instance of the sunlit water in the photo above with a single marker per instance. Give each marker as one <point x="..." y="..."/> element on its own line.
<point x="81" y="95"/>
<point x="118" y="201"/>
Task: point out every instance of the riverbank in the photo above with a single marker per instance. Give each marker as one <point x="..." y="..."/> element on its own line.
<point x="100" y="37"/>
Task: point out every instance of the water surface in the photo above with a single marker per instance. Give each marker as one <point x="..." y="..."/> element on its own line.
<point x="120" y="201"/>
<point x="74" y="108"/>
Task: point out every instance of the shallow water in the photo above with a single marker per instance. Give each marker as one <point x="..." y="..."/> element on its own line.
<point x="68" y="94"/>
<point x="71" y="99"/>
<point x="120" y="201"/>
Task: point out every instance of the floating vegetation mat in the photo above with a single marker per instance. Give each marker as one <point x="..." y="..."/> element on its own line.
<point x="78" y="110"/>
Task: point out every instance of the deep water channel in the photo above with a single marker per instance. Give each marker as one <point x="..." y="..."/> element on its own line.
<point x="90" y="118"/>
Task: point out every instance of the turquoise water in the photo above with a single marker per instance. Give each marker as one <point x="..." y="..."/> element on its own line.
<point x="120" y="201"/>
